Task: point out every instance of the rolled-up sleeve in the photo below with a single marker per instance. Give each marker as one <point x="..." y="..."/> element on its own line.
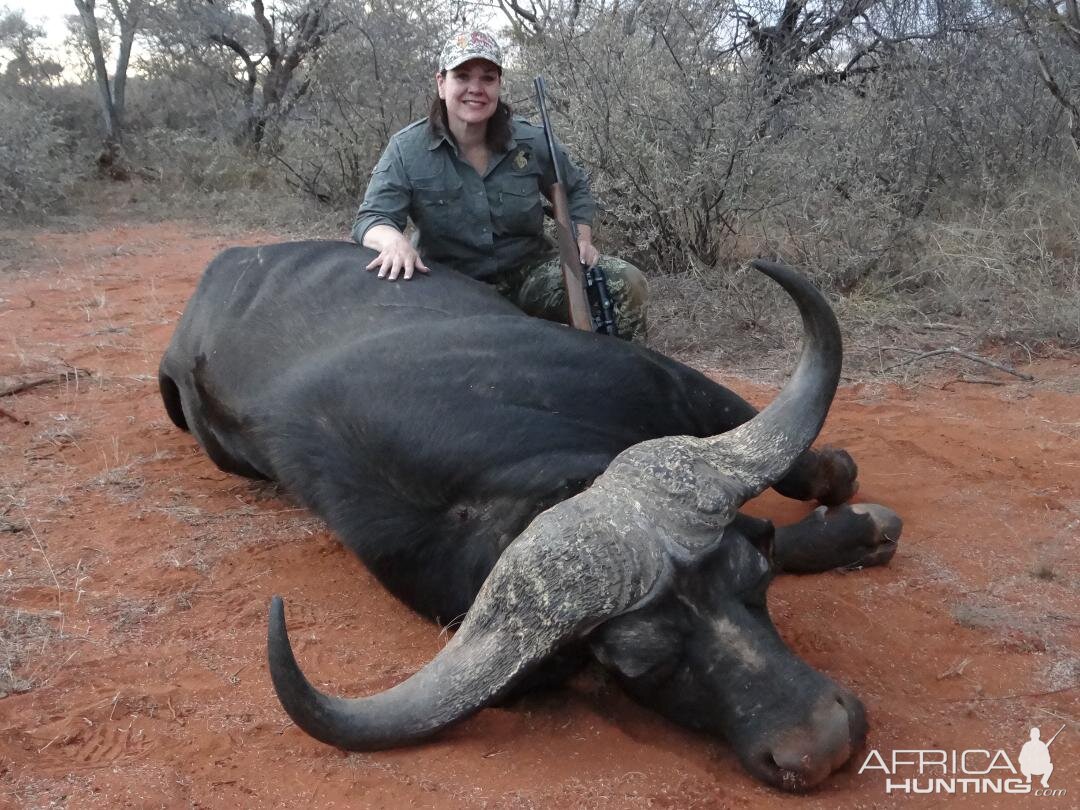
<point x="386" y="201"/>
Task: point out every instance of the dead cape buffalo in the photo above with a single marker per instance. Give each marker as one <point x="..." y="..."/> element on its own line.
<point x="570" y="495"/>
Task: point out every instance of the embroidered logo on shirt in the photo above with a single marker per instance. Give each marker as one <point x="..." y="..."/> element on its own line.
<point x="521" y="160"/>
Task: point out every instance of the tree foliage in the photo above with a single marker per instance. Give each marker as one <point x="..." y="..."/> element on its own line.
<point x="833" y="133"/>
<point x="265" y="51"/>
<point x="1052" y="31"/>
<point x="25" y="60"/>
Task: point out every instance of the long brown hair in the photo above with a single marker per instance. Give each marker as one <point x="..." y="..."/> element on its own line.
<point x="500" y="127"/>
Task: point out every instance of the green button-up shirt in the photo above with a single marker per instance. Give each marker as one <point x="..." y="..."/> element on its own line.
<point x="480" y="225"/>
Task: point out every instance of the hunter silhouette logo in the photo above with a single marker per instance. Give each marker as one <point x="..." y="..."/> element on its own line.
<point x="970" y="771"/>
<point x="1035" y="757"/>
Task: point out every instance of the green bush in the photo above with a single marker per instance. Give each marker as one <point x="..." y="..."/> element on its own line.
<point x="36" y="165"/>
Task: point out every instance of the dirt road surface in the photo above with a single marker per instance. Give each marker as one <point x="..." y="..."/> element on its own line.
<point x="135" y="577"/>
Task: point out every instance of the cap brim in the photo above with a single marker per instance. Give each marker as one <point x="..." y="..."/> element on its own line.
<point x="468" y="58"/>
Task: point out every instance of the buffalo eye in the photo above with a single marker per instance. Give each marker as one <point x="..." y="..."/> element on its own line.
<point x="761" y="535"/>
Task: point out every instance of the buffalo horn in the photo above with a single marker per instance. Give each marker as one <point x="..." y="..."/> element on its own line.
<point x="759" y="452"/>
<point x="553" y="584"/>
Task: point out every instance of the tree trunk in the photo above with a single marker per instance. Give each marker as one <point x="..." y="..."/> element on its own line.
<point x="101" y="72"/>
<point x="129" y="23"/>
<point x="111" y="160"/>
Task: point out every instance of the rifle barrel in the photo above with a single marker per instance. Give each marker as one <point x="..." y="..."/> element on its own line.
<point x="570" y="258"/>
<point x="538" y="83"/>
<point x="1055" y="736"/>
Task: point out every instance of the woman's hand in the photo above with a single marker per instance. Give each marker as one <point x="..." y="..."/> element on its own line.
<point x="397" y="257"/>
<point x="590" y="256"/>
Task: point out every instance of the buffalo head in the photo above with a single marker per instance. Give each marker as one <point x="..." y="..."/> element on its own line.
<point x="654" y="569"/>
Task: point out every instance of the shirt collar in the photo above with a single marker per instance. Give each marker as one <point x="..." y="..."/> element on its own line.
<point x="438" y="137"/>
<point x="441" y="136"/>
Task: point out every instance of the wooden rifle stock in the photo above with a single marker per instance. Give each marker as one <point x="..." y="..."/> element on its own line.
<point x="573" y="275"/>
<point x="569" y="257"/>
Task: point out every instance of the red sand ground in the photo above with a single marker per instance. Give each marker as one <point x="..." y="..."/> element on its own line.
<point x="136" y="590"/>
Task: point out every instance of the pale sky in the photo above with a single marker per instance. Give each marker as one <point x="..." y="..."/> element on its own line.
<point x="49" y="14"/>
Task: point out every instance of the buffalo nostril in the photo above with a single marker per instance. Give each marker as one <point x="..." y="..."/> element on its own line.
<point x="802" y="759"/>
<point x="777" y="773"/>
<point x="796" y="770"/>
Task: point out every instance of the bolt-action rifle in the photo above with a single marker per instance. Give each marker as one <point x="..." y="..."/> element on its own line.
<point x="591" y="305"/>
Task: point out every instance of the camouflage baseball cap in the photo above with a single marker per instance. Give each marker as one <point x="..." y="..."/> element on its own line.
<point x="460" y="48"/>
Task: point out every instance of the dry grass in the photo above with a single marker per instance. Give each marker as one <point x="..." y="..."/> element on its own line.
<point x="36" y="597"/>
<point x="1044" y="570"/>
<point x="9" y="525"/>
<point x="64" y="431"/>
<point x="122" y="483"/>
<point x="989" y="270"/>
<point x="252" y="202"/>
<point x="127" y="615"/>
<point x="1002" y="280"/>
<point x="24" y="636"/>
<point x="1025" y="630"/>
<point x="1011" y="269"/>
<point x="31" y="639"/>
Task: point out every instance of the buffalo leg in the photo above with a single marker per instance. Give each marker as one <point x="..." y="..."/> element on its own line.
<point x="828" y="475"/>
<point x="852" y="536"/>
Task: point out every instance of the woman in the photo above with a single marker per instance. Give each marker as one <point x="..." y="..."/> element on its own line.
<point x="470" y="177"/>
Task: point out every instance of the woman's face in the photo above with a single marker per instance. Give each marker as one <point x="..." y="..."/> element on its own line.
<point x="471" y="91"/>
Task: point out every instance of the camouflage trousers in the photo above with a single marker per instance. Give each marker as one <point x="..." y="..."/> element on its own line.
<point x="538" y="290"/>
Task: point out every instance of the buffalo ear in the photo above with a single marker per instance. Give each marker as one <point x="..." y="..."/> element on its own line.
<point x="635" y="646"/>
<point x="762" y="536"/>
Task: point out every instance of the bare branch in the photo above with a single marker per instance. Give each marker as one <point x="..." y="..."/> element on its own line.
<point x="967" y="356"/>
<point x="249" y="64"/>
<point x="269" y="40"/>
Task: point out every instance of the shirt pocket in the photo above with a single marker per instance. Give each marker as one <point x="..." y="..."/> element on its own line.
<point x="519" y="210"/>
<point x="436" y="205"/>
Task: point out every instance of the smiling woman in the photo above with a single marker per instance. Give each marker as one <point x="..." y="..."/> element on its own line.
<point x="471" y="95"/>
<point x="471" y="177"/>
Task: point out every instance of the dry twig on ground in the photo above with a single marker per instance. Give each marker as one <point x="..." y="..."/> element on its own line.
<point x="967" y="356"/>
<point x="18" y="383"/>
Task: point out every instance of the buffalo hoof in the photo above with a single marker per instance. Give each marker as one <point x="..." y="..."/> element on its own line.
<point x="838" y="475"/>
<point x="848" y="537"/>
<point x="880" y="544"/>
